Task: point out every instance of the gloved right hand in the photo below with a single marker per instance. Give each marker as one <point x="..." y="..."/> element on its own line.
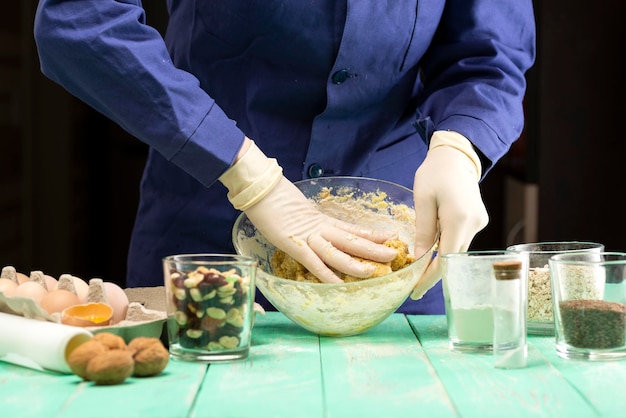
<point x="447" y="196"/>
<point x="291" y="222"/>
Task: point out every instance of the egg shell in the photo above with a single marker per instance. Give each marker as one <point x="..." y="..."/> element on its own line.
<point x="87" y="315"/>
<point x="7" y="286"/>
<point x="118" y="300"/>
<point x="58" y="300"/>
<point x="30" y="289"/>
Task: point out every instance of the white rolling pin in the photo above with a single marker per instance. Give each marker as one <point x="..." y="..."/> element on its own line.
<point x="37" y="344"/>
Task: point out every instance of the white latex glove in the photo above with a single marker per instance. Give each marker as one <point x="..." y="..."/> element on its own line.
<point x="447" y="195"/>
<point x="287" y="219"/>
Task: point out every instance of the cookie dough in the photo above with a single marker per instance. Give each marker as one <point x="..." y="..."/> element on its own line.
<point x="286" y="267"/>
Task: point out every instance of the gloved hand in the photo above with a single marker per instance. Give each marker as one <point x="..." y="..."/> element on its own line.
<point x="280" y="211"/>
<point x="447" y="195"/>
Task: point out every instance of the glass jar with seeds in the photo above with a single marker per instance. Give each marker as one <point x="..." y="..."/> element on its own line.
<point x="589" y="291"/>
<point x="540" y="320"/>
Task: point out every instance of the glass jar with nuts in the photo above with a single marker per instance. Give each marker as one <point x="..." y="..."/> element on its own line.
<point x="209" y="306"/>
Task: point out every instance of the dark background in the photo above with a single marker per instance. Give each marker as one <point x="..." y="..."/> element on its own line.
<point x="69" y="178"/>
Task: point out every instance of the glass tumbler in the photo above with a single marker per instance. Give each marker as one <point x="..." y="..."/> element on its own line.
<point x="589" y="297"/>
<point x="540" y="320"/>
<point x="468" y="284"/>
<point x="210" y="301"/>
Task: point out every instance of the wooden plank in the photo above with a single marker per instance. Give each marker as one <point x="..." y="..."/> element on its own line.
<point x="281" y="377"/>
<point x="170" y="394"/>
<point x="381" y="373"/>
<point x="28" y="393"/>
<point x="600" y="381"/>
<point x="480" y="390"/>
<point x="294" y="373"/>
<point x="31" y="393"/>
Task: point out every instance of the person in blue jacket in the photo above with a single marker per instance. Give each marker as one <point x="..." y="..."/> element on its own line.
<point x="244" y="97"/>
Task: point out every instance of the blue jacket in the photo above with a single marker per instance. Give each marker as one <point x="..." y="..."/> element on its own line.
<point x="327" y="87"/>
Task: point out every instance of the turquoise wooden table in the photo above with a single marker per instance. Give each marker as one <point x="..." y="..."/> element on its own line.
<point x="401" y="368"/>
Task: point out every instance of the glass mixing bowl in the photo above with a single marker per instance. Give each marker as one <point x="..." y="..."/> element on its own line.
<point x="342" y="309"/>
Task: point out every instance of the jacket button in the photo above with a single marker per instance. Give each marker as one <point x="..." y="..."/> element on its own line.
<point x="340" y="76"/>
<point x="315" y="170"/>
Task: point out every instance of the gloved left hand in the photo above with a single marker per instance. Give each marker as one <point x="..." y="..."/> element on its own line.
<point x="447" y="196"/>
<point x="287" y="219"/>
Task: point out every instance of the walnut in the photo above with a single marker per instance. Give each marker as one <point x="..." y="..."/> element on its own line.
<point x="110" y="368"/>
<point x="112" y="341"/>
<point x="82" y="354"/>
<point x="150" y="356"/>
<point x="106" y="359"/>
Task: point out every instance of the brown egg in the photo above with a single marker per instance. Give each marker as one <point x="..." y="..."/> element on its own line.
<point x="82" y="288"/>
<point x="7" y="286"/>
<point x="118" y="300"/>
<point x="51" y="282"/>
<point x="87" y="315"/>
<point x="57" y="300"/>
<point x="39" y="277"/>
<point x="21" y="277"/>
<point x="30" y="289"/>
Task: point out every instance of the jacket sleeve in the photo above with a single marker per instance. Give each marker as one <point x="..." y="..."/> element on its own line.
<point x="104" y="53"/>
<point x="474" y="73"/>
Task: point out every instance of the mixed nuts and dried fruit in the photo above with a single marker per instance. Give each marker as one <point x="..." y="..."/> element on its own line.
<point x="209" y="308"/>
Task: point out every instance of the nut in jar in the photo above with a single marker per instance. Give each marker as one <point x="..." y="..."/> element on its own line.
<point x="209" y="306"/>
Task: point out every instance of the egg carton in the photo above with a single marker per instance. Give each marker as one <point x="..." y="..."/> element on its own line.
<point x="140" y="320"/>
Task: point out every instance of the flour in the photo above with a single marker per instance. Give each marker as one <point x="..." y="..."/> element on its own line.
<point x="473" y="325"/>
